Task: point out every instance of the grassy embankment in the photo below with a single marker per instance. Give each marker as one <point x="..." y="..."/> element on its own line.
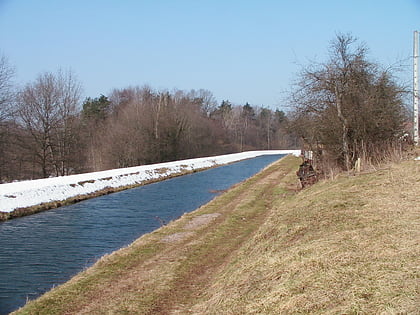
<point x="348" y="246"/>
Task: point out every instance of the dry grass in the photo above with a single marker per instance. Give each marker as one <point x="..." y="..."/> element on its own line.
<point x="348" y="246"/>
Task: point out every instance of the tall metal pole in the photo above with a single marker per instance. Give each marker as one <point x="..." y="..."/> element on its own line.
<point x="416" y="87"/>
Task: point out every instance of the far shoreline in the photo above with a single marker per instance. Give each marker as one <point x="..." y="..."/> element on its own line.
<point x="161" y="173"/>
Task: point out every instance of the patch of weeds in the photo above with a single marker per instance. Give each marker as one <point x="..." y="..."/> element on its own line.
<point x="91" y="181"/>
<point x="281" y="191"/>
<point x="4" y="216"/>
<point x="162" y="170"/>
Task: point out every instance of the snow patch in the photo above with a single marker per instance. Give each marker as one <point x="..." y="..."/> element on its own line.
<point x="33" y="192"/>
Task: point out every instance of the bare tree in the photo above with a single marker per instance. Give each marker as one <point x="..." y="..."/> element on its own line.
<point x="342" y="102"/>
<point x="6" y="100"/>
<point x="205" y="99"/>
<point x="6" y="88"/>
<point x="47" y="109"/>
<point x="266" y="121"/>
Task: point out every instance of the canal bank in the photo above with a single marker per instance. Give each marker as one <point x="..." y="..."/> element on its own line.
<point x="44" y="250"/>
<point x="223" y="224"/>
<point x="265" y="249"/>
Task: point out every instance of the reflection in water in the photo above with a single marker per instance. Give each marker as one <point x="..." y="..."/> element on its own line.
<point x="45" y="249"/>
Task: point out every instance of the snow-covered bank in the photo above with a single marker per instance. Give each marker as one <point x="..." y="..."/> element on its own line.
<point x="34" y="192"/>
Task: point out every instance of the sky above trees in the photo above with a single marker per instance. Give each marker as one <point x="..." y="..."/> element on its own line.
<point x="242" y="51"/>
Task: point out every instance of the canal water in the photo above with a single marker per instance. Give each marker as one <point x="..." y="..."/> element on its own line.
<point x="43" y="250"/>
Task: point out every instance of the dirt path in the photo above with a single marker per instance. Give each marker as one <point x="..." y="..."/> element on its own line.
<point x="216" y="247"/>
<point x="170" y="270"/>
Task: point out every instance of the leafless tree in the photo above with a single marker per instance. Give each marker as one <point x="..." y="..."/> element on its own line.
<point x="205" y="99"/>
<point x="47" y="109"/>
<point x="266" y="123"/>
<point x="6" y="100"/>
<point x="339" y="104"/>
<point x="6" y="88"/>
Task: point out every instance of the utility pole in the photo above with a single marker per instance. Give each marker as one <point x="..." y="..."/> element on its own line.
<point x="416" y="87"/>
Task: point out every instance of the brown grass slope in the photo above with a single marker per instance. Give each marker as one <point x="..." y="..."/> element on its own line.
<point x="348" y="246"/>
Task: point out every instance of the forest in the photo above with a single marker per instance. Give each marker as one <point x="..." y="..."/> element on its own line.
<point x="48" y="130"/>
<point x="344" y="109"/>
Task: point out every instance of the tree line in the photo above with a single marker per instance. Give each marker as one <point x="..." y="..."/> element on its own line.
<point x="344" y="109"/>
<point x="48" y="130"/>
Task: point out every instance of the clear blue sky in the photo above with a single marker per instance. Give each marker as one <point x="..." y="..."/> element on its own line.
<point x="243" y="51"/>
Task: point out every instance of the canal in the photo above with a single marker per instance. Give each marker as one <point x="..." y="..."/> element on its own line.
<point x="43" y="250"/>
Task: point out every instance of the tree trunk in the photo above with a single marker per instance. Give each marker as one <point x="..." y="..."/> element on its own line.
<point x="344" y="123"/>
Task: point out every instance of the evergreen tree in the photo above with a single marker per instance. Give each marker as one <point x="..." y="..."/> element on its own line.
<point x="96" y="109"/>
